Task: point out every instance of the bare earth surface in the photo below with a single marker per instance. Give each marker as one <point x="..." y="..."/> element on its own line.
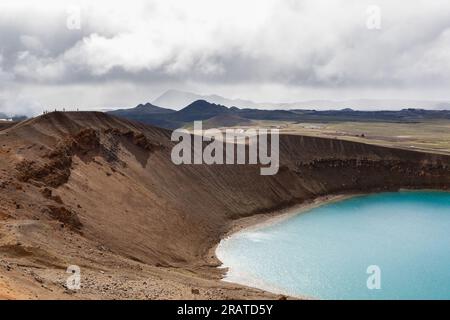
<point x="428" y="135"/>
<point x="99" y="192"/>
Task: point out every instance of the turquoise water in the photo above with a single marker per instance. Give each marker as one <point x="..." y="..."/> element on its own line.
<point x="325" y="252"/>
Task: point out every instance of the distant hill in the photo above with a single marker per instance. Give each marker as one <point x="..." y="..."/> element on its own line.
<point x="404" y="115"/>
<point x="4" y="116"/>
<point x="176" y="99"/>
<point x="222" y="116"/>
<point x="142" y="109"/>
<point x="146" y="113"/>
<point x="365" y="104"/>
<point x="171" y="119"/>
<point x="199" y="110"/>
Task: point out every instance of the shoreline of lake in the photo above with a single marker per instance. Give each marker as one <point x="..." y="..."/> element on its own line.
<point x="257" y="222"/>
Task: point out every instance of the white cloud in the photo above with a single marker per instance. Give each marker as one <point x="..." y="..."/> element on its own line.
<point x="315" y="45"/>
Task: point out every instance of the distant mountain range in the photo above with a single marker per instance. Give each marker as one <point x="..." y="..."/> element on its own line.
<point x="5" y="116"/>
<point x="221" y="116"/>
<point x="176" y="99"/>
<point x="168" y="118"/>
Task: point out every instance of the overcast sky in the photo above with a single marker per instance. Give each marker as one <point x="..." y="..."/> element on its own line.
<point x="128" y="52"/>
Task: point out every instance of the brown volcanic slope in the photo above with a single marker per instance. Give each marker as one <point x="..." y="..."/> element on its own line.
<point x="101" y="192"/>
<point x="6" y="124"/>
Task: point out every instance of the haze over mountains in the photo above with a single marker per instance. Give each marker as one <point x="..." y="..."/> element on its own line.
<point x="176" y="99"/>
<point x="173" y="100"/>
<point x="4" y="116"/>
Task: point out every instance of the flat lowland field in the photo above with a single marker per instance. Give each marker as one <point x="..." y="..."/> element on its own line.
<point x="428" y="136"/>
